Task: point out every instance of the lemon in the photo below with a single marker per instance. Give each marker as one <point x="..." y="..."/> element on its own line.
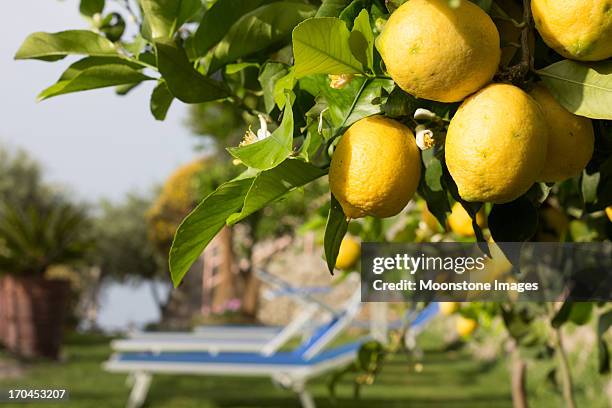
<point x="571" y="139"/>
<point x="609" y="213"/>
<point x="466" y="326"/>
<point x="428" y="218"/>
<point x="496" y="144"/>
<point x="448" y="308"/>
<point x="349" y="253"/>
<point x="580" y="30"/>
<point x="460" y="221"/>
<point x="375" y="168"/>
<point x="436" y="52"/>
<point x="555" y="220"/>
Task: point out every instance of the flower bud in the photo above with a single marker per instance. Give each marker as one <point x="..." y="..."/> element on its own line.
<point x="424" y="114"/>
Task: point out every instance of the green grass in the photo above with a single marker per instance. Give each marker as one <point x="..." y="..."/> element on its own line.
<point x="448" y="379"/>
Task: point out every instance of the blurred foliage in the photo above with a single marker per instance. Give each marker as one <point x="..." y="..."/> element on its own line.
<point x="39" y="227"/>
<point x="123" y="249"/>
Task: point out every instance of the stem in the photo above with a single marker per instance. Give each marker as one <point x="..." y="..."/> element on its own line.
<point x="526" y="56"/>
<point x="566" y="376"/>
<point x="519" y="379"/>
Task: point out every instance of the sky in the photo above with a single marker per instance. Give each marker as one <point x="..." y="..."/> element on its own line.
<point x="96" y="144"/>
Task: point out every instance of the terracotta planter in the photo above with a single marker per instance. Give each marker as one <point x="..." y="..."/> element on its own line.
<point x="33" y="312"/>
<point x="2" y="310"/>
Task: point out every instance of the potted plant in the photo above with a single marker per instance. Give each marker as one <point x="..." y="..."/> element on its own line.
<point x="33" y="238"/>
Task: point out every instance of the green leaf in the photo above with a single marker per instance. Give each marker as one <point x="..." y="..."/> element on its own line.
<point x="350" y="13"/>
<point x="271" y="151"/>
<point x="217" y="21"/>
<point x="283" y="86"/>
<point x="200" y="227"/>
<point x="184" y="82"/>
<point x="335" y="230"/>
<point x="603" y="325"/>
<point x="431" y="187"/>
<point x="269" y="75"/>
<point x="332" y="8"/>
<point x="361" y="40"/>
<point x="400" y="104"/>
<point x="93" y="73"/>
<point x="321" y="46"/>
<point x="265" y="27"/>
<point x="584" y="89"/>
<point x="597" y="187"/>
<point x="52" y="47"/>
<point x="581" y="313"/>
<point x="275" y="183"/>
<point x="90" y="7"/>
<point x="563" y="314"/>
<point x="232" y="69"/>
<point x="164" y="17"/>
<point x="161" y="100"/>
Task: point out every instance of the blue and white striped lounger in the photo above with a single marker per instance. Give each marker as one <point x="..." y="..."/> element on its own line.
<point x="233" y="338"/>
<point x="291" y="369"/>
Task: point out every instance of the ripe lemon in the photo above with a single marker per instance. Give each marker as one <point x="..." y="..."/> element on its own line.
<point x="466" y="326"/>
<point x="580" y="30"/>
<point x="555" y="220"/>
<point x="349" y="253"/>
<point x="428" y="218"/>
<point x="609" y="213"/>
<point x="460" y="221"/>
<point x="571" y="139"/>
<point x="375" y="168"/>
<point x="448" y="308"/>
<point x="496" y="144"/>
<point x="436" y="52"/>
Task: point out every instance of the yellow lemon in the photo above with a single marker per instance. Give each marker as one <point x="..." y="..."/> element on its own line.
<point x="496" y="144"/>
<point x="571" y="139"/>
<point x="460" y="221"/>
<point x="466" y="326"/>
<point x="448" y="308"/>
<point x="580" y="30"/>
<point x="609" y="213"/>
<point x="428" y="218"/>
<point x="375" y="168"/>
<point x="436" y="52"/>
<point x="555" y="220"/>
<point x="349" y="253"/>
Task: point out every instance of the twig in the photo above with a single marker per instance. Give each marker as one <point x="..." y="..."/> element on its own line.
<point x="517" y="74"/>
<point x="526" y="55"/>
<point x="566" y="375"/>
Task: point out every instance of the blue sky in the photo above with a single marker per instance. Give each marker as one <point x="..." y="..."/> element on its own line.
<point x="95" y="143"/>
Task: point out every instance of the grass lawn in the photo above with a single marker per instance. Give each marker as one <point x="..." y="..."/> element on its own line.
<point x="448" y="379"/>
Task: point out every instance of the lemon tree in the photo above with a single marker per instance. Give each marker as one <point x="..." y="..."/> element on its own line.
<point x="500" y="106"/>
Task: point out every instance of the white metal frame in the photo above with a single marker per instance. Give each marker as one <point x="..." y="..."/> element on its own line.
<point x="293" y="377"/>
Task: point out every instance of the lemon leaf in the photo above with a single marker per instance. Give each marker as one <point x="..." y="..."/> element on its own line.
<point x="52" y="47"/>
<point x="271" y="151"/>
<point x="321" y="46"/>
<point x="335" y="230"/>
<point x="361" y="40"/>
<point x="161" y="100"/>
<point x="94" y="73"/>
<point x="583" y="89"/>
<point x="273" y="184"/>
<point x="184" y="82"/>
<point x="265" y="27"/>
<point x="200" y="227"/>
